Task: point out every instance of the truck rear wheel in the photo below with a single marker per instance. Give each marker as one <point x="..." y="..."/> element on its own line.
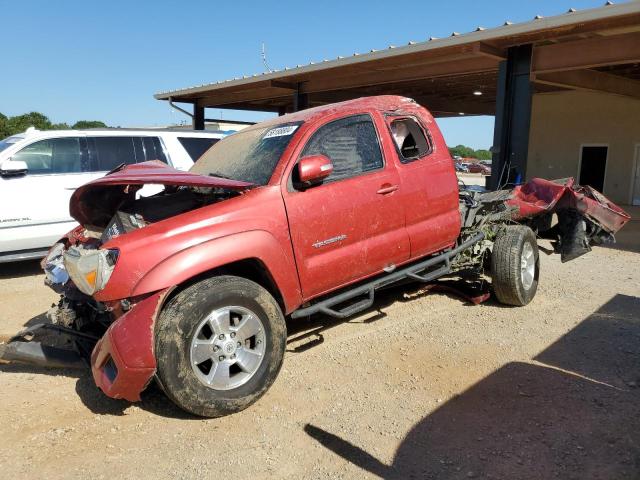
<point x="515" y="265"/>
<point x="219" y="345"/>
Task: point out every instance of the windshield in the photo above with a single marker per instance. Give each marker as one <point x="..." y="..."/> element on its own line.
<point x="250" y="155"/>
<point x="7" y="142"/>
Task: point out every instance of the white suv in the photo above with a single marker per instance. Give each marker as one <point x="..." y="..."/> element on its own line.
<point x="39" y="170"/>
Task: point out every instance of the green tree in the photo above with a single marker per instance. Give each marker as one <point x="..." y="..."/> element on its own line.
<point x="483" y="154"/>
<point x="20" y="123"/>
<point x="462" y="151"/>
<point x="4" y="130"/>
<point x="468" y="152"/>
<point x="82" y="124"/>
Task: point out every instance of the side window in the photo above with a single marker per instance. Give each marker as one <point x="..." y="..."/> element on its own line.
<point x="56" y="155"/>
<point x="153" y="149"/>
<point x="350" y="143"/>
<point x="410" y="139"/>
<point x="109" y="152"/>
<point x="195" y="147"/>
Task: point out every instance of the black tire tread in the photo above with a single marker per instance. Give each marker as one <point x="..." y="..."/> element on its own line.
<point x="174" y="375"/>
<point x="505" y="265"/>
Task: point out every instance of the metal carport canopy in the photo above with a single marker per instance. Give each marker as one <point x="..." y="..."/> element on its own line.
<point x="443" y="74"/>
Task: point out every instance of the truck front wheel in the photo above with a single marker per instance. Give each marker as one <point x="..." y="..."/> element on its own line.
<point x="219" y="345"/>
<point x="515" y="265"/>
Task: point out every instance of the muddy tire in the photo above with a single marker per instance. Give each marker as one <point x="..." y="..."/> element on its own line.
<point x="515" y="266"/>
<point x="219" y="345"/>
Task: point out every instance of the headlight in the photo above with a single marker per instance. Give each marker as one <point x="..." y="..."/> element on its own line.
<point x="54" y="266"/>
<point x="90" y="270"/>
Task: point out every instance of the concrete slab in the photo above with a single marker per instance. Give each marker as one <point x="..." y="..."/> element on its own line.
<point x="629" y="237"/>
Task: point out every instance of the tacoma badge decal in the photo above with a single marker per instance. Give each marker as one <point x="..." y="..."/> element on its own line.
<point x="329" y="241"/>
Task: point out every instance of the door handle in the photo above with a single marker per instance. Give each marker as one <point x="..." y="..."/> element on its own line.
<point x="387" y="188"/>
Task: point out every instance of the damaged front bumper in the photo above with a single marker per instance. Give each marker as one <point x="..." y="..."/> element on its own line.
<point x="115" y="338"/>
<point x="121" y="355"/>
<point x="123" y="360"/>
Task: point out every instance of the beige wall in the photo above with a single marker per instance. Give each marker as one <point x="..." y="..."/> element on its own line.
<point x="562" y="122"/>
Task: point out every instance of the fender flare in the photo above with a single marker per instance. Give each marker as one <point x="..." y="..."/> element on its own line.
<point x="203" y="257"/>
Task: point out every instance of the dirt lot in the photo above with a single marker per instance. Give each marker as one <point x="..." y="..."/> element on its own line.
<point x="472" y="178"/>
<point x="426" y="386"/>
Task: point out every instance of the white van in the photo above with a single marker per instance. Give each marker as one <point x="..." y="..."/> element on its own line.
<point x="39" y="170"/>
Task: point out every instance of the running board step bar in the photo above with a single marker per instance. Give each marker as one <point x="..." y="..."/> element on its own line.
<point x="414" y="272"/>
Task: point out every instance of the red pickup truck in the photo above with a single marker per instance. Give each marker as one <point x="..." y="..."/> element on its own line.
<point x="307" y="213"/>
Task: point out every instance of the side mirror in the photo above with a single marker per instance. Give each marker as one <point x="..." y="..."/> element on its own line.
<point x="13" y="167"/>
<point x="314" y="168"/>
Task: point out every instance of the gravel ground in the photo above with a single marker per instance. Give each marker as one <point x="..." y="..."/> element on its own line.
<point x="425" y="386"/>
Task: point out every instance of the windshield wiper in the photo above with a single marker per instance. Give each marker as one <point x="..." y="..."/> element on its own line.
<point x="220" y="175"/>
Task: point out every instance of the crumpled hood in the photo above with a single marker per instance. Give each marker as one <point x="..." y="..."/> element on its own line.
<point x="105" y="192"/>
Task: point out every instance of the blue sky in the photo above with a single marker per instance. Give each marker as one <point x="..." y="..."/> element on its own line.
<point x="75" y="60"/>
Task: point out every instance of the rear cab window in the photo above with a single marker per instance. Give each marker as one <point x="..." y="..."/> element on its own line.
<point x="410" y="138"/>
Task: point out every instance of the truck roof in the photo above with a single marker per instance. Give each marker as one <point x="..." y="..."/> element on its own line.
<point x="32" y="132"/>
<point x="382" y="103"/>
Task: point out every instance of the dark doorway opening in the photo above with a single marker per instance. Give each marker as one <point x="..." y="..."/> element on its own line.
<point x="593" y="164"/>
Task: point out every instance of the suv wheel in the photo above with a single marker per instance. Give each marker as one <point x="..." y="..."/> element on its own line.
<point x="219" y="345"/>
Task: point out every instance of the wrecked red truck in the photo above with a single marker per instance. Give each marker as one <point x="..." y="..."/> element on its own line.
<point x="310" y="212"/>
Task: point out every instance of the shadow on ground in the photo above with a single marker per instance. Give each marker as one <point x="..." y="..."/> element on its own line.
<point x="20" y="269"/>
<point x="575" y="417"/>
<point x="153" y="399"/>
<point x="307" y="333"/>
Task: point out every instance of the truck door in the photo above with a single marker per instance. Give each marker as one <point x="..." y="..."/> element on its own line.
<point x="352" y="224"/>
<point x="429" y="185"/>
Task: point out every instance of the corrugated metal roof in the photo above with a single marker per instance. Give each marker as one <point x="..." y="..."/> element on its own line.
<point x="480" y="34"/>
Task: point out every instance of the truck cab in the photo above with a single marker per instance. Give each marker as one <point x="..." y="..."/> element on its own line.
<point x="387" y="157"/>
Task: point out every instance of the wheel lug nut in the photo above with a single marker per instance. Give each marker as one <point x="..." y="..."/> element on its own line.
<point x="239" y="344"/>
<point x="233" y="356"/>
<point x="221" y="358"/>
<point x="216" y="348"/>
<point x="221" y="337"/>
<point x="233" y="334"/>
